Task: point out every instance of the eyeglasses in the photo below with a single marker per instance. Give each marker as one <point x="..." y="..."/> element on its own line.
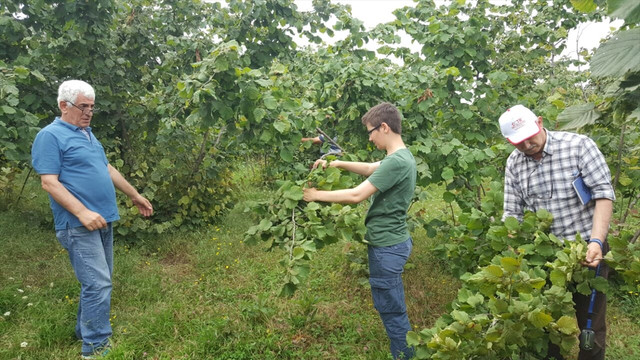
<point x="374" y="129"/>
<point x="85" y="108"/>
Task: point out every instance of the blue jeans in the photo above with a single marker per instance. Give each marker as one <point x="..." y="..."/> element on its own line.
<point x="91" y="256"/>
<point x="386" y="265"/>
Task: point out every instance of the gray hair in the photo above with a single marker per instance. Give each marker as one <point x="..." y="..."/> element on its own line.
<point x="69" y="90"/>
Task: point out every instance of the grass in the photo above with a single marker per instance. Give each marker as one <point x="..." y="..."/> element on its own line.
<point x="207" y="295"/>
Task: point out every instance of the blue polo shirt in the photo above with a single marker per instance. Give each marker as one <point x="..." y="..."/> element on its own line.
<point x="79" y="160"/>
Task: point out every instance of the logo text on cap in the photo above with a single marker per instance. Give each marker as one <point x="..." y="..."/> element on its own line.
<point x="517" y="124"/>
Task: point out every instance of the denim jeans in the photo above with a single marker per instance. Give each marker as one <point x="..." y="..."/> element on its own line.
<point x="91" y="256"/>
<point x="386" y="265"/>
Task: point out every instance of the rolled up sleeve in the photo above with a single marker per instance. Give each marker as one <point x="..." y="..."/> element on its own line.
<point x="595" y="172"/>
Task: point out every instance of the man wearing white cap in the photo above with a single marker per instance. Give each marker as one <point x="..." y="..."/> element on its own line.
<point x="540" y="174"/>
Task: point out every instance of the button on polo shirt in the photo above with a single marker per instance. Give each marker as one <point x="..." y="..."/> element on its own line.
<point x="79" y="161"/>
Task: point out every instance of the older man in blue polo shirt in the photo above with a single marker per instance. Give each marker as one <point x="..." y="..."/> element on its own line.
<point x="80" y="181"/>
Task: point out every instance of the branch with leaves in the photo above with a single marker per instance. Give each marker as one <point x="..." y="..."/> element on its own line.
<point x="300" y="228"/>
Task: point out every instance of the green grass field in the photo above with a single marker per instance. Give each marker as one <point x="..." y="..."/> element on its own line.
<point x="207" y="295"/>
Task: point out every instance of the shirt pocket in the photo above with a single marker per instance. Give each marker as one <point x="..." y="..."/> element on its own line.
<point x="564" y="185"/>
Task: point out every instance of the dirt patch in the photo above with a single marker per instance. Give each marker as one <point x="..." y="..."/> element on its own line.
<point x="177" y="266"/>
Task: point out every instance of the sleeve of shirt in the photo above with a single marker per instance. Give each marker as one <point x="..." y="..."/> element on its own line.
<point x="45" y="154"/>
<point x="595" y="172"/>
<point x="513" y="197"/>
<point x="381" y="178"/>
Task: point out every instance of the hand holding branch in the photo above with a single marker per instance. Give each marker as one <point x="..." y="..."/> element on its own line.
<point x="594" y="255"/>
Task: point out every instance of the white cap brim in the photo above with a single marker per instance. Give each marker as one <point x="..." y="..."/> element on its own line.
<point x="529" y="131"/>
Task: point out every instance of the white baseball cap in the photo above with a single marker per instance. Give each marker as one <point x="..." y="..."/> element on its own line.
<point x="518" y="124"/>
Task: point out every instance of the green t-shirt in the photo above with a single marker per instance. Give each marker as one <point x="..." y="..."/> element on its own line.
<point x="395" y="180"/>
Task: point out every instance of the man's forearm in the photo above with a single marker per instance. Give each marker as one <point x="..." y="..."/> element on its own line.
<point x="62" y="196"/>
<point x="143" y="205"/>
<point x="345" y="196"/>
<point x="121" y="183"/>
<point x="601" y="219"/>
<point x="360" y="168"/>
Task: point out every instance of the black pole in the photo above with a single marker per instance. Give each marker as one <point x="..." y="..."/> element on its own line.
<point x="24" y="184"/>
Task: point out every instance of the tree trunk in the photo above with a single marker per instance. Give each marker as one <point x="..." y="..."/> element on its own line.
<point x="619" y="160"/>
<point x="203" y="151"/>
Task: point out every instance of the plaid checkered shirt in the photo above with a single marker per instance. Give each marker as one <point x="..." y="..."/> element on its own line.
<point x="547" y="183"/>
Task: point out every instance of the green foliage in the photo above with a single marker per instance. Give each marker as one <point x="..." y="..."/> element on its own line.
<point x="307" y="311"/>
<point x="183" y="194"/>
<point x="19" y="123"/>
<point x="517" y="301"/>
<point x="616" y="56"/>
<point x="584" y="5"/>
<point x="629" y="10"/>
<point x="19" y="119"/>
<point x="613" y="108"/>
<point x="191" y="185"/>
<point x="258" y="311"/>
<point x="467" y="73"/>
<point x="469" y="240"/>
<point x="300" y="228"/>
<point x="180" y="79"/>
<point x="461" y="167"/>
<point x="578" y="116"/>
<point x="176" y="82"/>
<point x="189" y="87"/>
<point x="624" y="257"/>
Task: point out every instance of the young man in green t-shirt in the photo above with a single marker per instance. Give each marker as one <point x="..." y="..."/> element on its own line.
<point x="390" y="184"/>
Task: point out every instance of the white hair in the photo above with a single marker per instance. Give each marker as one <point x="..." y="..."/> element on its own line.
<point x="69" y="90"/>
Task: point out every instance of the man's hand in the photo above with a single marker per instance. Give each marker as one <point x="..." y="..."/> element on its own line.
<point x="319" y="162"/>
<point x="92" y="220"/>
<point x="594" y="255"/>
<point x="143" y="205"/>
<point x="309" y="194"/>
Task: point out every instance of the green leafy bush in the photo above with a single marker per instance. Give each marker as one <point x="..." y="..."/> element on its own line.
<point x="624" y="257"/>
<point x="518" y="300"/>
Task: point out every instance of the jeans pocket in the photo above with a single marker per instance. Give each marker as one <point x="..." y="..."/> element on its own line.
<point x="77" y="236"/>
<point x="78" y="231"/>
<point x="63" y="238"/>
<point x="388" y="295"/>
<point x="385" y="262"/>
